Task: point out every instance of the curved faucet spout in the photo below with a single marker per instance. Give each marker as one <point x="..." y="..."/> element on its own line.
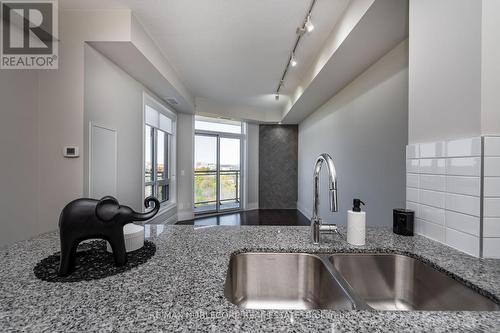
<point x="332" y="184"/>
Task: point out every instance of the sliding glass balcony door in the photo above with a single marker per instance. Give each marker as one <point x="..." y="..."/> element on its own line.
<point x="229" y="173"/>
<point x="217" y="181"/>
<point x="205" y="173"/>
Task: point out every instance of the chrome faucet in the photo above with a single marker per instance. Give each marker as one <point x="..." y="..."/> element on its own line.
<point x="317" y="226"/>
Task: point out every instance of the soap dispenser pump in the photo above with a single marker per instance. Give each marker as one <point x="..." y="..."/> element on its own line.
<point x="356" y="224"/>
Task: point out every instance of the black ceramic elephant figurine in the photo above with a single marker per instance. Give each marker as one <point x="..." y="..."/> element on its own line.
<point x="84" y="219"/>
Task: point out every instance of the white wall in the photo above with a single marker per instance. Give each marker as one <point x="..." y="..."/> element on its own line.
<point x="444" y="69"/>
<point x="454" y="69"/>
<point x="150" y="50"/>
<point x="185" y="166"/>
<point x="57" y="97"/>
<point x="252" y="174"/>
<point x="454" y="80"/>
<point x="212" y="108"/>
<point x="490" y="84"/>
<point x="61" y="101"/>
<point x="346" y="23"/>
<point x="113" y="99"/>
<point x="19" y="161"/>
<point x="61" y="97"/>
<point x="365" y="129"/>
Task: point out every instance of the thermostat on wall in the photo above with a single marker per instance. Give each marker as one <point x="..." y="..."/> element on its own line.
<point x="71" y="151"/>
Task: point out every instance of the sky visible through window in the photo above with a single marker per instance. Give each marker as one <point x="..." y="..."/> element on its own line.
<point x="213" y="190"/>
<point x="206" y="152"/>
<point x="234" y="128"/>
<point x="206" y="146"/>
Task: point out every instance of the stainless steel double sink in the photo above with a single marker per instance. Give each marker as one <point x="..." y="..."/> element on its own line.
<point x="346" y="282"/>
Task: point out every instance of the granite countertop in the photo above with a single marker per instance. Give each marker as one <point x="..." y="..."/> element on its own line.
<point x="182" y="287"/>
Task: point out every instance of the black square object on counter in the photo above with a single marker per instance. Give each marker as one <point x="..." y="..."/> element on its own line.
<point x="402" y="220"/>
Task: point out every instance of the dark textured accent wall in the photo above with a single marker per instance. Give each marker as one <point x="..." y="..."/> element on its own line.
<point x="278" y="163"/>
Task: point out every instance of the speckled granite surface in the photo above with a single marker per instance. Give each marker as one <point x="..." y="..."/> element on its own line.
<point x="182" y="287"/>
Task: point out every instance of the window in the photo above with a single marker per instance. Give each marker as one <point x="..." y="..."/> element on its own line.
<point x="217" y="125"/>
<point x="217" y="165"/>
<point x="159" y="125"/>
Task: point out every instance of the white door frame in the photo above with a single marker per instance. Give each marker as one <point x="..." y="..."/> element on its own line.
<point x="220" y="135"/>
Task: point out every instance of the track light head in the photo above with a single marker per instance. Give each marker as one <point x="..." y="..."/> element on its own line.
<point x="306" y="27"/>
<point x="309" y="26"/>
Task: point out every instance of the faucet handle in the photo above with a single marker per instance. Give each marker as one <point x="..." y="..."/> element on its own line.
<point x="328" y="228"/>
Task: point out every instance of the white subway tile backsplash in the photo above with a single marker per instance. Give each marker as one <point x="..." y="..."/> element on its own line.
<point x="433" y="166"/>
<point x="413" y="206"/>
<point x="412" y="180"/>
<point x="412" y="194"/>
<point x="444" y="181"/>
<point x="491" y="227"/>
<point x="432" y="182"/>
<point x="462" y="222"/>
<point x="492" y="166"/>
<point x="492" y="146"/>
<point x="463" y="185"/>
<point x="491" y="207"/>
<point x="462" y="241"/>
<point x="432" y="214"/>
<point x="432" y="198"/>
<point x="464" y="147"/>
<point x="432" y="149"/>
<point x="412" y="151"/>
<point x="463" y="204"/>
<point x="463" y="166"/>
<point x="412" y="166"/>
<point x="418" y="226"/>
<point x="491" y="248"/>
<point x="432" y="231"/>
<point x="492" y="186"/>
<point x="491" y="203"/>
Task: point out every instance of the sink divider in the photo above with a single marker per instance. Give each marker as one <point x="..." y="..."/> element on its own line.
<point x="358" y="301"/>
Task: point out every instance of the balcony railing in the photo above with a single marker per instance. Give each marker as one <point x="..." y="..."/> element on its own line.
<point x="205" y="188"/>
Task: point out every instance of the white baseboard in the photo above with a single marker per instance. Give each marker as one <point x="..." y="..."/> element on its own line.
<point x="184" y="215"/>
<point x="164" y="215"/>
<point x="252" y="206"/>
<point x="304" y="210"/>
<point x="171" y="220"/>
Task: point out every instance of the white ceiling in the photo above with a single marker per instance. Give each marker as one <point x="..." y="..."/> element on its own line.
<point x="231" y="51"/>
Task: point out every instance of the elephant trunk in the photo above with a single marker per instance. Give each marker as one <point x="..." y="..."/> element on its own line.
<point x="139" y="217"/>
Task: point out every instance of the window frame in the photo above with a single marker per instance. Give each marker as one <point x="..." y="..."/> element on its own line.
<point x="166" y="157"/>
<point x="242" y="171"/>
<point x="154" y="163"/>
<point x="170" y="153"/>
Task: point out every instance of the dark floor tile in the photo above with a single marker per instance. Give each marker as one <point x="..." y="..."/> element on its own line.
<point x="253" y="217"/>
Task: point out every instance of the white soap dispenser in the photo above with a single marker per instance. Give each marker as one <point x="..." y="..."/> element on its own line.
<point x="356" y="224"/>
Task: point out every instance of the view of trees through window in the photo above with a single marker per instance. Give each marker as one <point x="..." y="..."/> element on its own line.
<point x="216" y="171"/>
<point x="156" y="180"/>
